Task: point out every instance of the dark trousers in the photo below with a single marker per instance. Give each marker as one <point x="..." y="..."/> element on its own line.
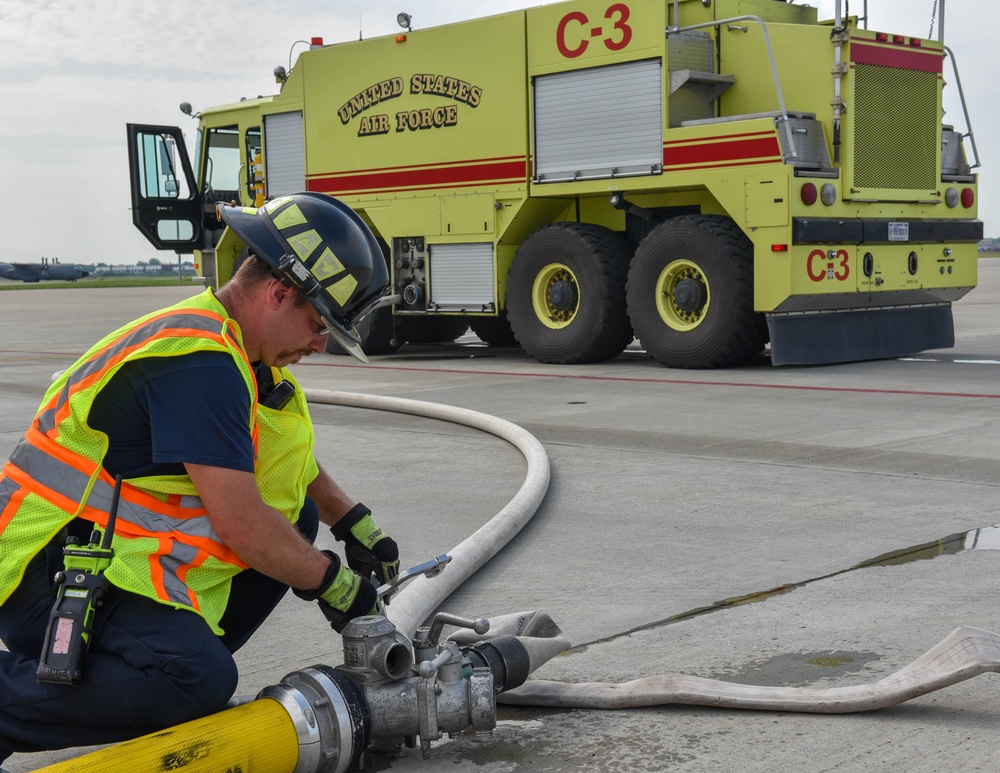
<point x="149" y="666"/>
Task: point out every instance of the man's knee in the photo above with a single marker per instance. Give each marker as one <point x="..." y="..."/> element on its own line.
<point x="188" y="670"/>
<point x="202" y="683"/>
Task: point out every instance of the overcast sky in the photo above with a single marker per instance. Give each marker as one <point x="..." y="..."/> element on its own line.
<point x="73" y="72"/>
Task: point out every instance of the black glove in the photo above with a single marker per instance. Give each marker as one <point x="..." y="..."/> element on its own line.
<point x="368" y="548"/>
<point x="343" y="595"/>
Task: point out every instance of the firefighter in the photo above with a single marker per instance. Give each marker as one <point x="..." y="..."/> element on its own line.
<point x="221" y="495"/>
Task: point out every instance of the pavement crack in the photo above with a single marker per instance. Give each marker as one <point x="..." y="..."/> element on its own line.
<point x="985" y="538"/>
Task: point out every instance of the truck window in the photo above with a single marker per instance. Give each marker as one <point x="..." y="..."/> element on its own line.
<point x="222" y="165"/>
<point x="159" y="163"/>
<point x="254" y="167"/>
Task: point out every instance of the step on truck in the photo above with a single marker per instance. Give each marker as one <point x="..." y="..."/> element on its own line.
<point x="711" y="177"/>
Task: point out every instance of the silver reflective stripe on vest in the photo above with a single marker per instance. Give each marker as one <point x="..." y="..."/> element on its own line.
<point x="50" y="472"/>
<point x="132" y="339"/>
<point x="180" y="555"/>
<point x="7" y="489"/>
<point x="71" y="483"/>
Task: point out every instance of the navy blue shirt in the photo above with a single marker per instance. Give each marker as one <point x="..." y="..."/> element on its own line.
<point x="160" y="412"/>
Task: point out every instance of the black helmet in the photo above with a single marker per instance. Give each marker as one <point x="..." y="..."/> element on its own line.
<point x="323" y="249"/>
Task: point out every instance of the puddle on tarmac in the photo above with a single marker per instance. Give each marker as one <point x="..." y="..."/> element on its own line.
<point x="986" y="538"/>
<point x="795" y="668"/>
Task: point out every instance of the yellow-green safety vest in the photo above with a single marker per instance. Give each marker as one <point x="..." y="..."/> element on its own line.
<point x="165" y="547"/>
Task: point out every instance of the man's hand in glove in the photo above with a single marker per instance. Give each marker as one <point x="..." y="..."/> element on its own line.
<point x="368" y="548"/>
<point x="343" y="595"/>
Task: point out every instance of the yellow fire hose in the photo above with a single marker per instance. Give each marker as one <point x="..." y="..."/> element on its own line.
<point x="256" y="736"/>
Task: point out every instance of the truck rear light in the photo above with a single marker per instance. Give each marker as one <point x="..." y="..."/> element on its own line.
<point x="968" y="197"/>
<point x="951" y="197"/>
<point x="808" y="194"/>
<point x="779" y="248"/>
<point x="828" y="194"/>
<point x="881" y="37"/>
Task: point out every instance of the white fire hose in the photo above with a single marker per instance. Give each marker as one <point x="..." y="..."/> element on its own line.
<point x="963" y="654"/>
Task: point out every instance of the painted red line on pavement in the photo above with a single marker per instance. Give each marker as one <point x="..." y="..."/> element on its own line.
<point x="689" y="382"/>
<point x="633" y="379"/>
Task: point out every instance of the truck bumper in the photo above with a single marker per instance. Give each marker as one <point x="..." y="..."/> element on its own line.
<point x="884" y="231"/>
<point x="845" y="336"/>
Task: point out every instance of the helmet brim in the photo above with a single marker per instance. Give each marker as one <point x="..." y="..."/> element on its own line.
<point x="351" y="346"/>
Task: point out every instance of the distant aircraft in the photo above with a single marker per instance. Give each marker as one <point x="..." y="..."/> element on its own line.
<point x="30" y="272"/>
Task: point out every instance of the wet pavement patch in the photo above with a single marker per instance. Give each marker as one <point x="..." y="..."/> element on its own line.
<point x="797" y="668"/>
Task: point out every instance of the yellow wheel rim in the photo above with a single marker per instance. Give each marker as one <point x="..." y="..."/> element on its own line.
<point x="682" y="295"/>
<point x="555" y="295"/>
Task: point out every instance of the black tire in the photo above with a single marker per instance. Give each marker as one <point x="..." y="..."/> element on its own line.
<point x="430" y="330"/>
<point x="690" y="294"/>
<point x="566" y="294"/>
<point x="493" y="331"/>
<point x="378" y="337"/>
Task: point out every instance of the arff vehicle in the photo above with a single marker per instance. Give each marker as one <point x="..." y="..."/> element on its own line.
<point x="708" y="176"/>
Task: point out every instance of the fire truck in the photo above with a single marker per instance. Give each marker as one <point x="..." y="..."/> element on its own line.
<point x="711" y="177"/>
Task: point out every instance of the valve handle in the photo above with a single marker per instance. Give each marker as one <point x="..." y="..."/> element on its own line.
<point x="431" y="568"/>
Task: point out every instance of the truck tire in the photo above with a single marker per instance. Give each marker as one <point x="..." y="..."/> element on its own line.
<point x="493" y="331"/>
<point x="430" y="330"/>
<point x="690" y="294"/>
<point x="380" y="338"/>
<point x="566" y="294"/>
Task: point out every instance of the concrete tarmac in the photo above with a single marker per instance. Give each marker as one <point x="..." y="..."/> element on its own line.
<point x="701" y="522"/>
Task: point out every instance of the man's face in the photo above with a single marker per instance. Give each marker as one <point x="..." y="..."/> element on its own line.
<point x="298" y="332"/>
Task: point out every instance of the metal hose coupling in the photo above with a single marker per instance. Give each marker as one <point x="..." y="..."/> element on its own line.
<point x="505" y="656"/>
<point x="380" y="692"/>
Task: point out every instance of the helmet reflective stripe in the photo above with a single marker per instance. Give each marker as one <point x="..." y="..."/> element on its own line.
<point x="287" y="217"/>
<point x="304" y="243"/>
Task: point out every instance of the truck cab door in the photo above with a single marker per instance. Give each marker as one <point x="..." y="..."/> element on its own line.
<point x="166" y="205"/>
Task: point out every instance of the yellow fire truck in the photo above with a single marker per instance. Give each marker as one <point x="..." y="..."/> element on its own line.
<point x="708" y="176"/>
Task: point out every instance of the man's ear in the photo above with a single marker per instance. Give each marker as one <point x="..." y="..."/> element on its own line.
<point x="276" y="293"/>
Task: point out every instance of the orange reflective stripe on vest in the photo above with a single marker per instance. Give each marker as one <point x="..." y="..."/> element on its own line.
<point x="138" y="513"/>
<point x="193" y="323"/>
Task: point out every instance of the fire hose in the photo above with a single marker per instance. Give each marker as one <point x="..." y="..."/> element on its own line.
<point x="401" y="680"/>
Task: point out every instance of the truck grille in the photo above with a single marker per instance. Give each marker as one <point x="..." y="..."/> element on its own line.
<point x="895" y="128"/>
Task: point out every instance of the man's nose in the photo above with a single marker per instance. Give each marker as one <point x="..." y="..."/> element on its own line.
<point x="318" y="343"/>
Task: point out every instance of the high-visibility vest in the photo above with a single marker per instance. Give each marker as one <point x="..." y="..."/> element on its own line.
<point x="165" y="547"/>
